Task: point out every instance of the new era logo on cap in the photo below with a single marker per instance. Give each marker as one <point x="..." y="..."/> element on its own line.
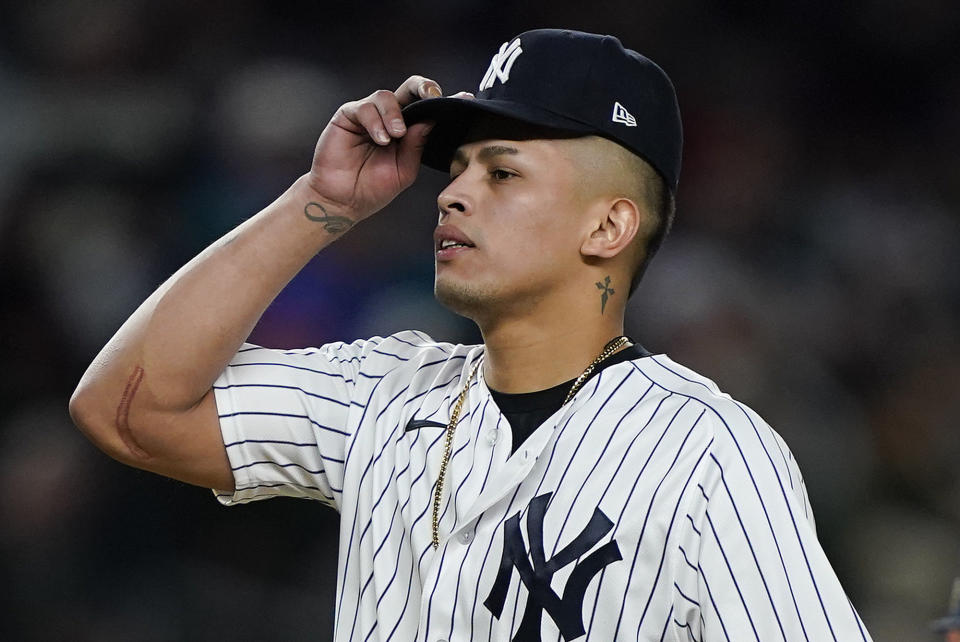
<point x="622" y="116"/>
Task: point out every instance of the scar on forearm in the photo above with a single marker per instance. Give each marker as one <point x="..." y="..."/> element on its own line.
<point x="123" y="413"/>
<point x="331" y="222"/>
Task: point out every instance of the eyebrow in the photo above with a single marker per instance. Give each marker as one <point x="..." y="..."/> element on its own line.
<point x="485" y="154"/>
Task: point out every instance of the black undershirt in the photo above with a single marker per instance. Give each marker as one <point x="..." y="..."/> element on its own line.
<point x="526" y="411"/>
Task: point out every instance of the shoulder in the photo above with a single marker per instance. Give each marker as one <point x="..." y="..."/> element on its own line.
<point x="720" y="409"/>
<point x="409" y="354"/>
<point x="375" y="358"/>
<point x="400" y="347"/>
<point x="731" y="419"/>
<point x="743" y="443"/>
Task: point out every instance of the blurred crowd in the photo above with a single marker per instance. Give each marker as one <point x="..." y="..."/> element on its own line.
<point x="812" y="272"/>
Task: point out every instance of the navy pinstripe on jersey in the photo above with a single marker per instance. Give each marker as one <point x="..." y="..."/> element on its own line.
<point x="652" y="507"/>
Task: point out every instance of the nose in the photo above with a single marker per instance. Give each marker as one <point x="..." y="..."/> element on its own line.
<point x="451" y="199"/>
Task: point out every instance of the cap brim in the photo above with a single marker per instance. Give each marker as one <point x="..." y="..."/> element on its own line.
<point x="454" y="117"/>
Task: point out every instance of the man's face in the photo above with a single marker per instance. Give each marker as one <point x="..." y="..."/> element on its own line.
<point x="516" y="206"/>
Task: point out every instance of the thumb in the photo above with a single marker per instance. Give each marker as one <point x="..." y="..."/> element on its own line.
<point x="410" y="150"/>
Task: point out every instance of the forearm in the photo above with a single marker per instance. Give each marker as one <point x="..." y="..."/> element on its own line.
<point x="146" y="399"/>
<point x="172" y="348"/>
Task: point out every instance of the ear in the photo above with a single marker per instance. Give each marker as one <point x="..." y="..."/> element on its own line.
<point x="614" y="229"/>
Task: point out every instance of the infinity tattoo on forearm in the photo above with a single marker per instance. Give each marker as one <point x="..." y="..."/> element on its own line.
<point x="332" y="223"/>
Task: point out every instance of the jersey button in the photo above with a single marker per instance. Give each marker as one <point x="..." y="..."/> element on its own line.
<point x="466" y="537"/>
<point x="493" y="436"/>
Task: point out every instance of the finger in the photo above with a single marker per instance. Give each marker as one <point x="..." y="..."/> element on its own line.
<point x="416" y="88"/>
<point x="386" y="103"/>
<point x="365" y="115"/>
<point x="463" y="94"/>
<point x="410" y="149"/>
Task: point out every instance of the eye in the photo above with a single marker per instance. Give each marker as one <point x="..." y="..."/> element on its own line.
<point x="499" y="174"/>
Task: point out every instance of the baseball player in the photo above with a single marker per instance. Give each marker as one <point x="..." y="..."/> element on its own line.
<point x="557" y="482"/>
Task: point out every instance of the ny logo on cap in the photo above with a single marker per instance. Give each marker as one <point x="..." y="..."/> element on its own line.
<point x="622" y="116"/>
<point x="501" y="63"/>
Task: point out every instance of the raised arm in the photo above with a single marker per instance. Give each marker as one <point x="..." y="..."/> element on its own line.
<point x="146" y="399"/>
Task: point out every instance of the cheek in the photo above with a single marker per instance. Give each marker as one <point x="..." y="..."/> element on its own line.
<point x="536" y="232"/>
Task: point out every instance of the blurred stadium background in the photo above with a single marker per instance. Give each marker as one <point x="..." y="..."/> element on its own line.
<point x="812" y="271"/>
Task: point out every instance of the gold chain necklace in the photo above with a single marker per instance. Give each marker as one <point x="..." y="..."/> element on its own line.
<point x="612" y="346"/>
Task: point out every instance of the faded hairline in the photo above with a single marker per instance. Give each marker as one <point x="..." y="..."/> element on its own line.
<point x="614" y="170"/>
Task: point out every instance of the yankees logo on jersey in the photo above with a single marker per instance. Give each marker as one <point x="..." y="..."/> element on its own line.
<point x="537" y="576"/>
<point x="651" y="507"/>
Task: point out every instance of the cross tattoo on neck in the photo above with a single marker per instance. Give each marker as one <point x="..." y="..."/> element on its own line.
<point x="606" y="294"/>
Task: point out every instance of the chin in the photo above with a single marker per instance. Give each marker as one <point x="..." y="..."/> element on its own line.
<point x="469" y="302"/>
<point x="488" y="301"/>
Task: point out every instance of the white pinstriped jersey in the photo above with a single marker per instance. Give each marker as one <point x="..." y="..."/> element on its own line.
<point x="651" y="507"/>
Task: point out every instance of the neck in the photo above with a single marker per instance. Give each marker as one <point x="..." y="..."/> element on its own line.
<point x="535" y="353"/>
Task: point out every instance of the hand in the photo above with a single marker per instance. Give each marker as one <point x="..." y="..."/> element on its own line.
<point x="367" y="155"/>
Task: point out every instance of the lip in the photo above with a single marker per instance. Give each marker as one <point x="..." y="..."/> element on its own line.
<point x="448" y="232"/>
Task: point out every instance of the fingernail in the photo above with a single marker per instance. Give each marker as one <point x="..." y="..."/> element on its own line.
<point x="382" y="137"/>
<point x="434" y="92"/>
<point x="397" y="125"/>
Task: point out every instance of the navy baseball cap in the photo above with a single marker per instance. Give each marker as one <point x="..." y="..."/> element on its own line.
<point x="575" y="82"/>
